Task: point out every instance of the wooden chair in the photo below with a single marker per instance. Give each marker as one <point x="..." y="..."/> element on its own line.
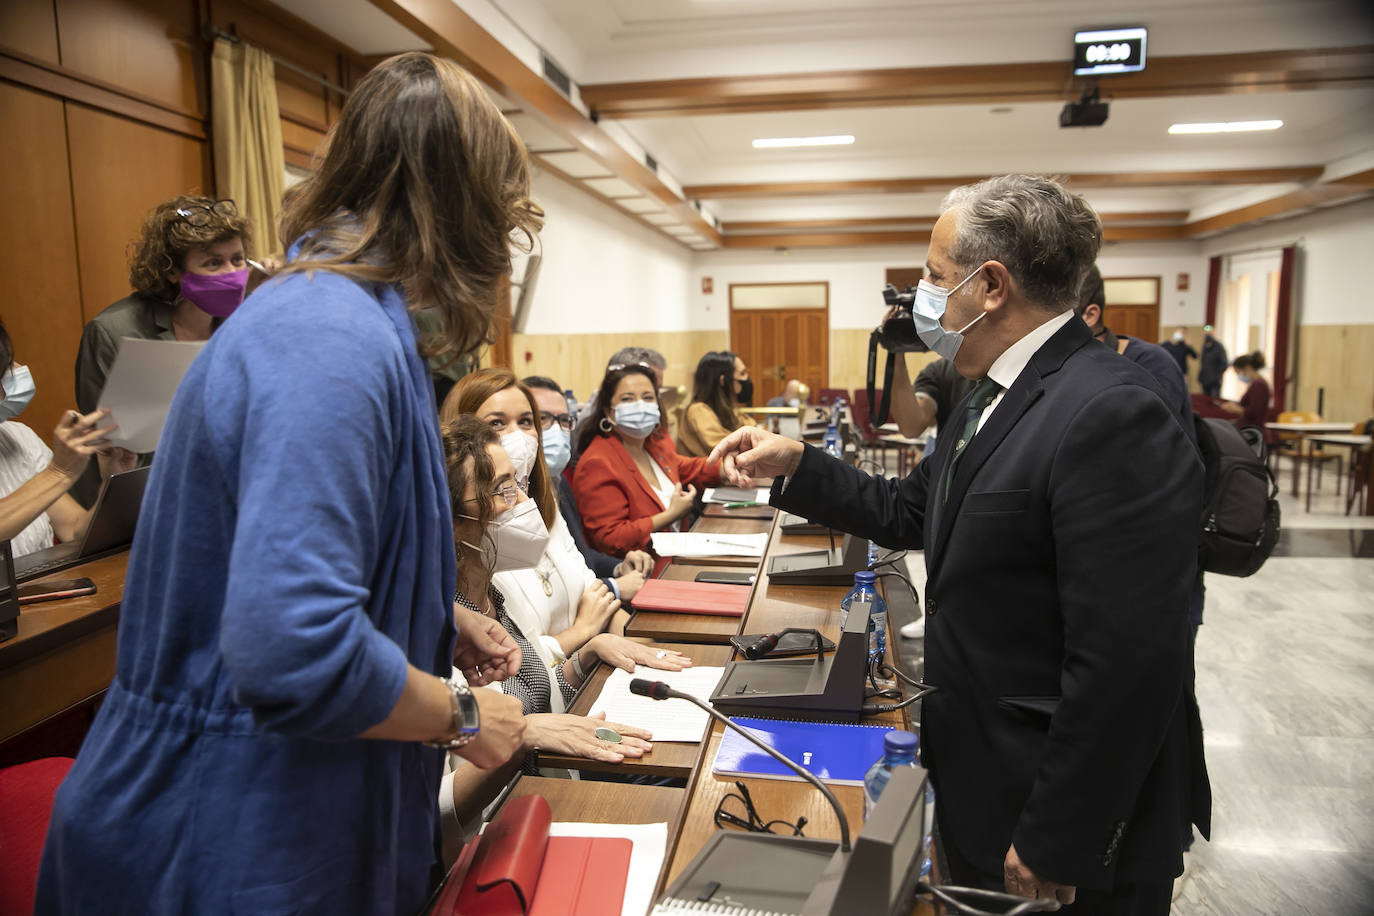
<point x="1291" y="445"/>
<point x="1361" y="457"/>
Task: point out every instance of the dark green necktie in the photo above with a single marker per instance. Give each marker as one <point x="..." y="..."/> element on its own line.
<point x="984" y="393"/>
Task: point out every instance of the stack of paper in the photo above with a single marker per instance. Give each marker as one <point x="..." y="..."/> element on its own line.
<point x="669" y="720"/>
<point x="729" y="495"/>
<point x="696" y="544"/>
<point x="140" y="386"/>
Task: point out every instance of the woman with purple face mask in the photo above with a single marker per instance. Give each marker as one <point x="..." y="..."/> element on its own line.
<point x="188" y="269"/>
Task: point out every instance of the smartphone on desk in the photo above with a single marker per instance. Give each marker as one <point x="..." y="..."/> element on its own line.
<point x="54" y="590"/>
<point x="725" y="577"/>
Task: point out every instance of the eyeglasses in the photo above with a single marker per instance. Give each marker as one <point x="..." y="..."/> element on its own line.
<point x="547" y="420"/>
<point x="198" y="215"/>
<point x="737" y="810"/>
<point x="508" y="492"/>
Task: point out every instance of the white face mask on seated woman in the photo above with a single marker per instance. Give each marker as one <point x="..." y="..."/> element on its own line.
<point x="515" y="539"/>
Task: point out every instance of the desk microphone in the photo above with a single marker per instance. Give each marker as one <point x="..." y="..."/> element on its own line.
<point x="658" y="690"/>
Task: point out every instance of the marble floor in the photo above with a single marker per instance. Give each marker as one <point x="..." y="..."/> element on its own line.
<point x="1285" y="681"/>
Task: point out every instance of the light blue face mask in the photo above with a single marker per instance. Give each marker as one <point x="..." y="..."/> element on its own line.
<point x="637" y="418"/>
<point x="19" y="391"/>
<point x="929" y="308"/>
<point x="557" y="448"/>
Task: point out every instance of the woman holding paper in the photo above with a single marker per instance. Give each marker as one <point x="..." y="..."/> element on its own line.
<point x="630" y="481"/>
<point x="497" y="527"/>
<point x="34" y="504"/>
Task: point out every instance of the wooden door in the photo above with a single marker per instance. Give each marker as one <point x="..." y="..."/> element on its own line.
<point x="782" y="344"/>
<point x="1132" y="307"/>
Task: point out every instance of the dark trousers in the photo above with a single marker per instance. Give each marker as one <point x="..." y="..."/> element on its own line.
<point x="1211" y="389"/>
<point x="1123" y="900"/>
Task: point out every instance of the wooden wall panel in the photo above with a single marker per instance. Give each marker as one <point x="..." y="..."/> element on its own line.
<point x="29" y="26"/>
<point x="1336" y="357"/>
<point x="121" y="170"/>
<point x="578" y="361"/>
<point x="149" y="47"/>
<point x="42" y="310"/>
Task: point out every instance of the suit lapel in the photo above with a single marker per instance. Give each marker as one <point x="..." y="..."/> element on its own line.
<point x="631" y="469"/>
<point x="1023" y="393"/>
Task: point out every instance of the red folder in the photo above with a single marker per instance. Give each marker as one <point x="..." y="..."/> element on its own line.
<point x="516" y="869"/>
<point x="692" y="597"/>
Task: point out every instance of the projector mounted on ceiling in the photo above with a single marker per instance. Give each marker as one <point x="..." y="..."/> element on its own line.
<point x="1088" y="111"/>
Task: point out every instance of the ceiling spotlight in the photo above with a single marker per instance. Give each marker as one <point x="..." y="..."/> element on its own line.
<point x="1224" y="127"/>
<point x="775" y="142"/>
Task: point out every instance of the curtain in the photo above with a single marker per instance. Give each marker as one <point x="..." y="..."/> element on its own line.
<point x="249" y="167"/>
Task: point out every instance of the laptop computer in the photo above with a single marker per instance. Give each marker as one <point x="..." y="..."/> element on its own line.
<point x="111" y="528"/>
<point x="9" y="596"/>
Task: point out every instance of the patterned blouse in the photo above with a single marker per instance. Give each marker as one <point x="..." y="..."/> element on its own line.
<point x="532" y="683"/>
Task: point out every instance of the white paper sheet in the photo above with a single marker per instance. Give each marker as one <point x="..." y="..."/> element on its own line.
<point x="138" y="390"/>
<point x="726" y="495"/>
<point x="669" y="720"/>
<point x="696" y="544"/>
<point x="650" y="845"/>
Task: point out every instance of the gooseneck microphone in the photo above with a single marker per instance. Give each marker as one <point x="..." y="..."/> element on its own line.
<point x="769" y="641"/>
<point x="658" y="690"/>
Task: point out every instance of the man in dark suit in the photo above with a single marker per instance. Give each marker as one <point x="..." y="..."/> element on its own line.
<point x="1059" y="520"/>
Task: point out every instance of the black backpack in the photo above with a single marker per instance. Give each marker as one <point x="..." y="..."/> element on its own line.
<point x="1240" y="516"/>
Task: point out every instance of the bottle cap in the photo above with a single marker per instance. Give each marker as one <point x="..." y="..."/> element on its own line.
<point x="865" y="577"/>
<point x="898" y="741"/>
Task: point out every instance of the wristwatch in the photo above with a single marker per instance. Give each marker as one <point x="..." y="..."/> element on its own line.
<point x="466" y="717"/>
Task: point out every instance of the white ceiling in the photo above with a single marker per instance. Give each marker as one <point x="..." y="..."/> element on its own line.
<point x="639" y="40"/>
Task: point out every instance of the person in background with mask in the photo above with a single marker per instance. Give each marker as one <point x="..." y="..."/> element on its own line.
<point x="790" y="397"/>
<point x="493" y="533"/>
<point x="1179" y="348"/>
<point x="188" y="269"/>
<point x="719" y="388"/>
<point x="1059" y="521"/>
<point x="1212" y="365"/>
<point x="34" y="503"/>
<point x="557" y="598"/>
<point x="630" y="481"/>
<point x="1253" y="409"/>
<point x="556" y="439"/>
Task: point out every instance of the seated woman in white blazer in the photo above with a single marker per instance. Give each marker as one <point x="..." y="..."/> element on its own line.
<point x="559" y="597"/>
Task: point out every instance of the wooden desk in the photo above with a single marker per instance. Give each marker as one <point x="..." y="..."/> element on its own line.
<point x="64" y="653"/>
<point x="667" y="626"/>
<point x="668" y="758"/>
<point x="588" y="802"/>
<point x="1303" y="431"/>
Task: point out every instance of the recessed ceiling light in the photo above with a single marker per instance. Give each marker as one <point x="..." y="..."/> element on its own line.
<point x="772" y="142"/>
<point x="1224" y="127"/>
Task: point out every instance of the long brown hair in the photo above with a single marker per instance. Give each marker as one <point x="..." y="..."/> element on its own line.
<point x="167" y="238"/>
<point x="423" y="185"/>
<point x="468" y="396"/>
<point x="465" y="456"/>
<point x="714" y="385"/>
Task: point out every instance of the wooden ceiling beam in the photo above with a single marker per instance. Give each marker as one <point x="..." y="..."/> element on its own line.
<point x="1189" y="178"/>
<point x="456" y="35"/>
<point x="828" y="239"/>
<point x="1044" y="81"/>
<point x="873" y="222"/>
<point x="1328" y="193"/>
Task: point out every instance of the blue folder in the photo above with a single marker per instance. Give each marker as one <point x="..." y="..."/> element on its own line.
<point x="836" y="753"/>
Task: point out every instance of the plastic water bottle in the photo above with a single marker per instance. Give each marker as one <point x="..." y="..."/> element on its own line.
<point x="872" y="553"/>
<point x="899" y="750"/>
<point x="572" y="404"/>
<point x="865" y="590"/>
<point x="832" y="442"/>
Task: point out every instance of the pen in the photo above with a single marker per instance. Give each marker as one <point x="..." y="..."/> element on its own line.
<point x="740" y="505"/>
<point x="730" y="542"/>
<point x="256" y="266"/>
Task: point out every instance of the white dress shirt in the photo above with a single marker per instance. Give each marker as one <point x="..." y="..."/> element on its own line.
<point x="1007" y="367"/>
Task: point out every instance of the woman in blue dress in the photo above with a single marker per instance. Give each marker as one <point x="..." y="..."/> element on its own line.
<point x="287" y="614"/>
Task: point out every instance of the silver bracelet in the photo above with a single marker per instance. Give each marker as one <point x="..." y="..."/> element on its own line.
<point x="466" y="720"/>
<point x="576" y="659"/>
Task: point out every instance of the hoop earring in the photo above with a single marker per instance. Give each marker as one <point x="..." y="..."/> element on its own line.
<point x="605" y="425"/>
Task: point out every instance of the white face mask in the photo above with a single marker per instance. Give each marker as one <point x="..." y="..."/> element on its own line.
<point x="1178" y="337"/>
<point x="929" y="308"/>
<point x="516" y="538"/>
<point x="522" y="451"/>
<point x="557" y="448"/>
<point x="638" y="418"/>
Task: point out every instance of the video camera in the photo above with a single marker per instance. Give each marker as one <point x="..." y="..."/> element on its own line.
<point x="897" y="334"/>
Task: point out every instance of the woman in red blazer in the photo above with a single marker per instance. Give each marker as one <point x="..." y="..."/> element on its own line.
<point x="630" y="481"/>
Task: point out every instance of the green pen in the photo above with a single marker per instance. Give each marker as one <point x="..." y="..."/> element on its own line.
<point x="740" y="505"/>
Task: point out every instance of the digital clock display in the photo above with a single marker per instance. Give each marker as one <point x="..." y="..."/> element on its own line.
<point x="1107" y="51"/>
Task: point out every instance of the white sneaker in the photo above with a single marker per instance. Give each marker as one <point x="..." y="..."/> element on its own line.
<point x="914" y="630"/>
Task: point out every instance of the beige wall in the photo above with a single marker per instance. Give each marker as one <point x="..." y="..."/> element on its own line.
<point x="1339" y="358"/>
<point x="578" y="361"/>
